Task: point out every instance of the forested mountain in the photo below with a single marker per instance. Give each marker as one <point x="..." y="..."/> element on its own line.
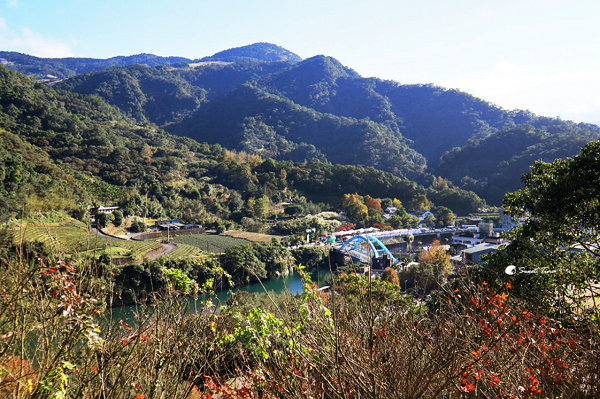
<point x="488" y="166"/>
<point x="262" y="52"/>
<point x="253" y="120"/>
<point x="31" y="181"/>
<point x="262" y="100"/>
<point x="143" y="93"/>
<point x="68" y="151"/>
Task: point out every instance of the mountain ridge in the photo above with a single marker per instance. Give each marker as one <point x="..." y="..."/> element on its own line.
<point x="317" y="108"/>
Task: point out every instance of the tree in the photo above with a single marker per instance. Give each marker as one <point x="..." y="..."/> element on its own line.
<point x="103" y="219"/>
<point x="311" y="257"/>
<point x="390" y="275"/>
<point x="235" y="201"/>
<point x="293" y="210"/>
<point x="241" y="262"/>
<point x="429" y="220"/>
<point x="419" y="203"/>
<point x="250" y="207"/>
<point x="261" y="207"/>
<point x="434" y="266"/>
<point x="444" y="216"/>
<point x="559" y="238"/>
<point x="118" y="218"/>
<point x="137" y="226"/>
<point x="372" y="203"/>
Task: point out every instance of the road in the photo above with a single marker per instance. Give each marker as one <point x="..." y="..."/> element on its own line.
<point x="166" y="248"/>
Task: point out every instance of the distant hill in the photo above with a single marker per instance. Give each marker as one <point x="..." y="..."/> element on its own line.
<point x="53" y="69"/>
<point x="261" y="52"/>
<point x="65" y="151"/>
<point x="264" y="100"/>
<point x="492" y="166"/>
<point x="255" y="121"/>
<point x="49" y="70"/>
<point x="143" y="93"/>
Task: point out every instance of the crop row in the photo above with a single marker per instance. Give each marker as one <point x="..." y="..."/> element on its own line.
<point x="209" y="242"/>
<point x="184" y="251"/>
<point x="75" y="237"/>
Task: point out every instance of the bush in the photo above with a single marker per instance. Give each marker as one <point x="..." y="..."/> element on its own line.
<point x="118" y="218"/>
<point x="137" y="226"/>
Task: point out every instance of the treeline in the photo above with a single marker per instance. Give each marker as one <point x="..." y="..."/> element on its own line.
<point x="62" y="68"/>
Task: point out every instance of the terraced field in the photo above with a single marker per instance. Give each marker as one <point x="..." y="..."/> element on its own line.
<point x="184" y="251"/>
<point x="252" y="237"/>
<point x="74" y="237"/>
<point x="209" y="242"/>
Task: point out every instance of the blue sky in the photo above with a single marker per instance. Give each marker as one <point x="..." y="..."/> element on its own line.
<point x="528" y="54"/>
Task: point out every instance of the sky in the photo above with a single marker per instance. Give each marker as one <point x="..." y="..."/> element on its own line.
<point x="543" y="56"/>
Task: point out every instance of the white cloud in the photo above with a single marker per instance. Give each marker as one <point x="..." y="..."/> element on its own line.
<point x="29" y="42"/>
<point x="13" y="3"/>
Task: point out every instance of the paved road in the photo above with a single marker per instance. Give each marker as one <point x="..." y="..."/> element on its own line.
<point x="166" y="249"/>
<point x="99" y="232"/>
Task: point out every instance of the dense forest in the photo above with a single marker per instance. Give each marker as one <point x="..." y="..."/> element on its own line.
<point x="487" y="166"/>
<point x="115" y="160"/>
<point x="265" y="101"/>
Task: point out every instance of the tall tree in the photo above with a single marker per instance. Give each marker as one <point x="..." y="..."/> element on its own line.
<point x="434" y="266"/>
<point x="554" y="254"/>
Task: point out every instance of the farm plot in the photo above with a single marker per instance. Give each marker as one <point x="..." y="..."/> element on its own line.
<point x="184" y="251"/>
<point x="209" y="242"/>
<point x="74" y="237"/>
<point x="253" y="237"/>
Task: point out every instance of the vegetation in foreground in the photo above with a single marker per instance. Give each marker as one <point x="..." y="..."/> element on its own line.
<point x="361" y="340"/>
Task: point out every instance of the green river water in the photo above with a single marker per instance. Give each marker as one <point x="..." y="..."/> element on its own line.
<point x="291" y="282"/>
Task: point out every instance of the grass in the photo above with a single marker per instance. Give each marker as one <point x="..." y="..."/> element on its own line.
<point x="208" y="242"/>
<point x="253" y="237"/>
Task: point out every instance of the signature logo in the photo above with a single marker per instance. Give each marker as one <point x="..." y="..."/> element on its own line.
<point x="512" y="270"/>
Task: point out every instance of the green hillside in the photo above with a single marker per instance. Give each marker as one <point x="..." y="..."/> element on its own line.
<point x="108" y="159"/>
<point x="268" y="103"/>
<point x="141" y="92"/>
<point x="252" y="120"/>
<point x="488" y="166"/>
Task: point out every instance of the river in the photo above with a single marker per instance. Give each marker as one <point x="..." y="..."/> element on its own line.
<point x="291" y="282"/>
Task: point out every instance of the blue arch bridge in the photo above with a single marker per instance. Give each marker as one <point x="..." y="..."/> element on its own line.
<point x="365" y="249"/>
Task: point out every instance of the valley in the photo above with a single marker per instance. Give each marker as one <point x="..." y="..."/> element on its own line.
<point x="143" y="185"/>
